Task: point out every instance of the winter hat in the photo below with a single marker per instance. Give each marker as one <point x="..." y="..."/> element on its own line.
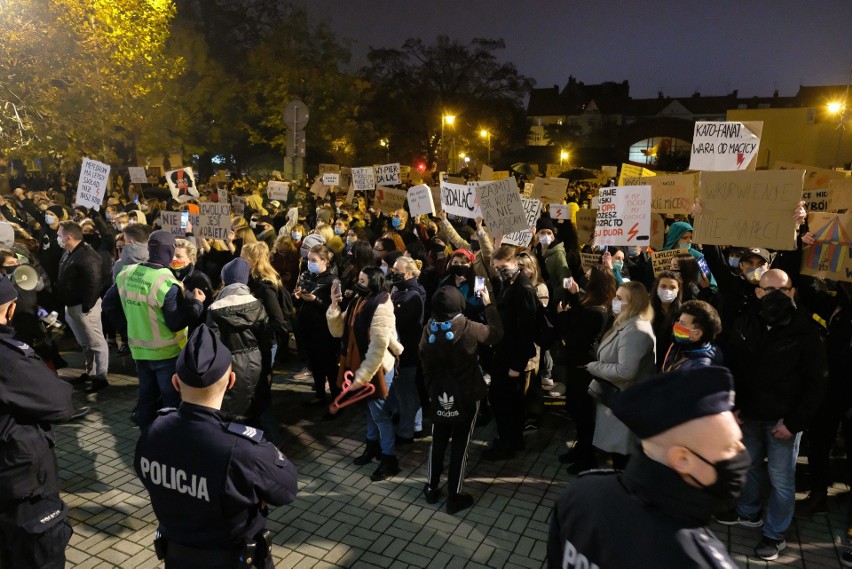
<point x="8" y="292"/>
<point x="311" y="241"/>
<point x="58" y="211"/>
<point x="544" y="223"/>
<point x="161" y="248"/>
<point x="447" y="302"/>
<point x="466" y="253"/>
<point x="237" y="271"/>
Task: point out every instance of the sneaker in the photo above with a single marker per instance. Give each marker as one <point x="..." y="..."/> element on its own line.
<point x="733" y="518"/>
<point x="846" y="558"/>
<point x="432" y="495"/>
<point x="547" y="383"/>
<point x="558" y="390"/>
<point x="304" y="374"/>
<point x="768" y="548"/>
<point x="813" y="504"/>
<point x="459" y="502"/>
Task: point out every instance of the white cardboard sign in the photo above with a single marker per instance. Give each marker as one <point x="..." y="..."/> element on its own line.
<point x="276" y="190"/>
<point x="725" y="146"/>
<point x="624" y="216"/>
<point x="92" y="185"/>
<point x="460" y="199"/>
<point x="420" y="200"/>
<point x="532" y="207"/>
<point x="388" y="175"/>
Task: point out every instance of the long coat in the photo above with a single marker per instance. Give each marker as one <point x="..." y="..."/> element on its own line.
<point x="625" y="356"/>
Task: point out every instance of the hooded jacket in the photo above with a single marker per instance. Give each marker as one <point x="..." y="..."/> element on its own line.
<point x="409" y="307"/>
<point x="238" y="318"/>
<point x="132" y="254"/>
<point x="676" y="230"/>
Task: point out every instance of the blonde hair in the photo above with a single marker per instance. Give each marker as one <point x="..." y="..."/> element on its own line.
<point x="257" y="256"/>
<point x="246" y="234"/>
<point x="409" y="265"/>
<point x="529" y="262"/>
<point x="326" y="231"/>
<point x="191" y="250"/>
<point x="284" y="244"/>
<point x="638" y="304"/>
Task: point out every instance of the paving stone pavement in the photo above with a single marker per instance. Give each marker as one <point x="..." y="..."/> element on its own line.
<point x="342" y="519"/>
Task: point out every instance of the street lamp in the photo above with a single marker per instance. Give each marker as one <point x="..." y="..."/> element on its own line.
<point x="839" y="108"/>
<point x="486" y="134"/>
<point x="449" y="120"/>
<point x="563" y="156"/>
<point x="385" y="143"/>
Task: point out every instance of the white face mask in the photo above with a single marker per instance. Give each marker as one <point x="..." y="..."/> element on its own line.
<point x="616" y="306"/>
<point x="49" y="219"/>
<point x="545" y="240"/>
<point x="59" y="240"/>
<point x="753" y="276"/>
<point x="667" y="296"/>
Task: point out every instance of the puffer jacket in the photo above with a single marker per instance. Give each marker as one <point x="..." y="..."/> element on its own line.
<point x="240" y="321"/>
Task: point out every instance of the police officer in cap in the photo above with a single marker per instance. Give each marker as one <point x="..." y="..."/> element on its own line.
<point x="654" y="514"/>
<point x="210" y="481"/>
<point x="33" y="519"/>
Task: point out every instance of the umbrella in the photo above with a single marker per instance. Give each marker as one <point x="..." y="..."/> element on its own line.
<point x="523" y="168"/>
<point x="577" y="174"/>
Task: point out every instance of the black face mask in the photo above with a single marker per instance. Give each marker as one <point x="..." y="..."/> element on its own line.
<point x="507" y="274"/>
<point x="458" y="270"/>
<point x="730" y="478"/>
<point x="92" y="239"/>
<point x="776" y="308"/>
<point x="360" y="289"/>
<point x="394" y="278"/>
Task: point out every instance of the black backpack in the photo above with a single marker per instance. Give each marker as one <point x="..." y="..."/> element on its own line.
<point x="449" y="402"/>
<point x="546" y="333"/>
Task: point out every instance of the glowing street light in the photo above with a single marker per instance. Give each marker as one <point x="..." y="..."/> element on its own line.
<point x="448" y="120"/>
<point x="835" y="107"/>
<point x="385" y="143"/>
<point x="486" y="134"/>
<point x="839" y="108"/>
<point x="563" y="156"/>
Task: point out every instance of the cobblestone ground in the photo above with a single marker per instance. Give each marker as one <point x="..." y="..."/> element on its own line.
<point x="341" y="518"/>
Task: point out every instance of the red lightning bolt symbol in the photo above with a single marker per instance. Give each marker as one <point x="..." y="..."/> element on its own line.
<point x="740" y="158"/>
<point x="632" y="233"/>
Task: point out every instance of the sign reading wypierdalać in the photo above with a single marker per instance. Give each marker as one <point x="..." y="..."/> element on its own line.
<point x="532" y="208"/>
<point x="671" y="194"/>
<point x="830" y="256"/>
<point x="841" y="195"/>
<point x="550" y="190"/>
<point x="182" y="184"/>
<point x="586" y="225"/>
<point x="92" y="185"/>
<point x="624" y="216"/>
<point x="388" y="175"/>
<point x="276" y="190"/>
<point x="725" y="146"/>
<point x="137" y="174"/>
<point x="748" y="209"/>
<point x="501" y="207"/>
<point x="460" y="199"/>
<point x="420" y="200"/>
<point x="815" y="178"/>
<point x="388" y="200"/>
<point x="214" y="221"/>
<point x="364" y="178"/>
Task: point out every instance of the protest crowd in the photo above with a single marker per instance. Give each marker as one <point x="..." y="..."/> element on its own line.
<point x="429" y="322"/>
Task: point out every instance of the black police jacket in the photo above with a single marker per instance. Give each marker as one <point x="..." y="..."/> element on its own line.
<point x="31" y="398"/>
<point x="646" y="517"/>
<point x="209" y="479"/>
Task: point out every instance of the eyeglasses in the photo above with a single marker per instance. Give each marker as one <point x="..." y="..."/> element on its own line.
<point x="784" y="289"/>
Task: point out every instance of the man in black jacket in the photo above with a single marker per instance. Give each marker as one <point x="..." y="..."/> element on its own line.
<point x="33" y="526"/>
<point x="79" y="287"/>
<point x="516" y="302"/>
<point x="778" y="359"/>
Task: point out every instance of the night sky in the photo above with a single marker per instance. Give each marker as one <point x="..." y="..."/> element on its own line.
<point x="677" y="47"/>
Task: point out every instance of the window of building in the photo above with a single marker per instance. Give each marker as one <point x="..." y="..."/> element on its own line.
<point x="652" y="146"/>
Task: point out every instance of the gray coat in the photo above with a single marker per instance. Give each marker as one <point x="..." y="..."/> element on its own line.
<point x="625" y="356"/>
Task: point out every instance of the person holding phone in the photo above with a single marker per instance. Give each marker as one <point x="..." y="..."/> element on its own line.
<point x="462" y="275"/>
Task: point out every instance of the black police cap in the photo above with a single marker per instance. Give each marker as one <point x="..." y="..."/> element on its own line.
<point x="204" y="359"/>
<point x="8" y="292"/>
<point x="671" y="399"/>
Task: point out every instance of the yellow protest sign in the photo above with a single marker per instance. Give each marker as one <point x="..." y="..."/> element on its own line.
<point x="829" y="257"/>
<point x="840" y="195"/>
<point x="633" y="171"/>
<point x="553" y="170"/>
<point x="815" y="178"/>
<point x="499" y="174"/>
<point x="550" y="190"/>
<point x="586" y="219"/>
<point x="672" y="194"/>
<point x="662" y="260"/>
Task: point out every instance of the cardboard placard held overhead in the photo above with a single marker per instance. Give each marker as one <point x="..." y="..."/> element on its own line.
<point x="662" y="260"/>
<point x="609" y="171"/>
<point x="388" y="200"/>
<point x="671" y="194"/>
<point x="487" y="173"/>
<point x="532" y="208"/>
<point x="137" y="175"/>
<point x="550" y="190"/>
<point x="214" y="221"/>
<point x="815" y="178"/>
<point x="170" y="221"/>
<point x="748" y="209"/>
<point x="239" y="205"/>
<point x="559" y="212"/>
<point x="328" y="169"/>
<point x="182" y="184"/>
<point x="364" y="178"/>
<point x="420" y="200"/>
<point x="633" y="171"/>
<point x="331" y="179"/>
<point x="553" y="170"/>
<point x="841" y="195"/>
<point x="460" y="199"/>
<point x="222" y="195"/>
<point x="587" y="260"/>
<point x="586" y="225"/>
<point x="499" y="174"/>
<point x="350" y="193"/>
<point x="817" y="200"/>
<point x="830" y="256"/>
<point x="388" y="175"/>
<point x="276" y="190"/>
<point x="624" y="216"/>
<point x="501" y="207"/>
<point x="725" y="145"/>
<point x="319" y="189"/>
<point x="92" y="185"/>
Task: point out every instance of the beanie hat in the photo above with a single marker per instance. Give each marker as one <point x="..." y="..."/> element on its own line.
<point x="447" y="302"/>
<point x="544" y="223"/>
<point x="161" y="248"/>
<point x="237" y="271"/>
<point x="466" y="253"/>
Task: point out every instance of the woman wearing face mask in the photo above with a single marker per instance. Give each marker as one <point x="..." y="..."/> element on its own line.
<point x="614" y="261"/>
<point x="625" y="356"/>
<point x="369" y="348"/>
<point x="388" y="261"/>
<point x="679" y="236"/>
<point x="297" y="233"/>
<point x="50" y="253"/>
<point x="666" y="298"/>
<point x="553" y="258"/>
<point x="695" y="329"/>
<point x="460" y="274"/>
<point x="312" y="299"/>
<point x="480" y="245"/>
<point x="360" y="257"/>
<point x="285" y="260"/>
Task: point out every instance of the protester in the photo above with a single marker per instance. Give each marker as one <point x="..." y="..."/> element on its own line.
<point x="696" y="327"/>
<point x="666" y="296"/>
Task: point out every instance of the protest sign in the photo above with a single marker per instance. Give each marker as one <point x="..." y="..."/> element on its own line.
<point x="532" y="209"/>
<point x="553" y="170"/>
<point x="460" y="199"/>
<point x="137" y="175"/>
<point x="624" y="216"/>
<point x="816" y="200"/>
<point x="588" y="260"/>
<point x="830" y="256"/>
<point x="658" y="231"/>
<point x="319" y="189"/>
<point x="594" y="202"/>
<point x="586" y="224"/>
<point x="501" y="207"/>
<point x="405" y="173"/>
<point x="277" y="190"/>
<point x="214" y="220"/>
<point x="662" y="260"/>
<point x="487" y="173"/>
<point x="550" y="190"/>
<point x="632" y="171"/>
<point x="350" y="193"/>
<point x="239" y="205"/>
<point x="170" y="221"/>
<point x="724" y="146"/>
<point x="528" y="189"/>
<point x="364" y="178"/>
<point x="182" y="184"/>
<point x="815" y="178"/>
<point x="499" y="174"/>
<point x="388" y="175"/>
<point x="840" y="195"/>
<point x="673" y="195"/>
<point x="748" y="209"/>
<point x="331" y="179"/>
<point x="328" y="169"/>
<point x="436" y="197"/>
<point x="222" y="195"/>
<point x="388" y="200"/>
<point x="609" y="171"/>
<point x="420" y="200"/>
<point x="558" y="212"/>
<point x="92" y="185"/>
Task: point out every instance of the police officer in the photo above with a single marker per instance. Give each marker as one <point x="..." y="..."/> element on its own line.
<point x="655" y="513"/>
<point x="33" y="519"/>
<point x="210" y="481"/>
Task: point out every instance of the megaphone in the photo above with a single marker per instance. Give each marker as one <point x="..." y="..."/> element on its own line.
<point x="25" y="277"/>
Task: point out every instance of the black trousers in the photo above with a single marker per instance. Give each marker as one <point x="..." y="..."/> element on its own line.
<point x="323" y="361"/>
<point x="821" y="434"/>
<point x="507" y="402"/>
<point x="581" y="407"/>
<point x="34" y="534"/>
<point x="460" y="434"/>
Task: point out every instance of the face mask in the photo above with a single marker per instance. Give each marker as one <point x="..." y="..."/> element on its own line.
<point x="545" y="240"/>
<point x="396" y="222"/>
<point x="177" y="265"/>
<point x="685" y="246"/>
<point x="313" y="267"/>
<point x="253" y="224"/>
<point x="776" y="308"/>
<point x="617" y="266"/>
<point x="143" y="207"/>
<point x="395" y="278"/>
<point x="507" y="273"/>
<point x="633" y="252"/>
<point x="361" y="289"/>
<point x="108" y="216"/>
<point x="730" y="478"/>
<point x="458" y="270"/>
<point x="681" y="333"/>
<point x="338" y="231"/>
<point x="384" y="269"/>
<point x="60" y="241"/>
<point x="121" y="226"/>
<point x="350" y="240"/>
<point x="753" y="276"/>
<point x="296" y="236"/>
<point x="666" y="296"/>
<point x="474" y="245"/>
<point x="616" y="306"/>
<point x="49" y="219"/>
<point x="734" y="262"/>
